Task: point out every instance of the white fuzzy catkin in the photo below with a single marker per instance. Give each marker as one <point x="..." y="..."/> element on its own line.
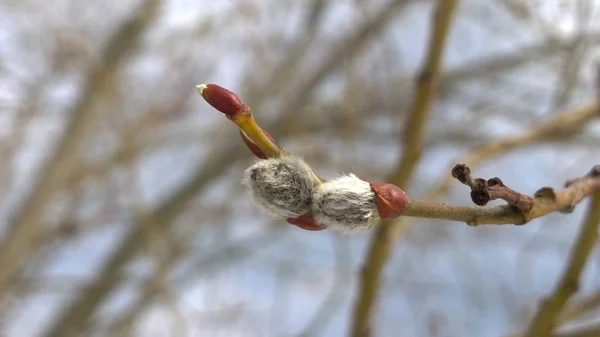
<point x="345" y="204"/>
<point x="282" y="186"/>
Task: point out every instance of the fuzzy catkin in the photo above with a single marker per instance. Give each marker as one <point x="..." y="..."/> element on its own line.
<point x="345" y="204"/>
<point x="282" y="186"/>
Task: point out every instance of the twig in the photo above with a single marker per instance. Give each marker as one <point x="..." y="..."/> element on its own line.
<point x="558" y="127"/>
<point x="587" y="331"/>
<point x="546" y="200"/>
<point x="382" y="241"/>
<point x="579" y="308"/>
<point x="482" y="191"/>
<point x="544" y="320"/>
<point x="572" y="312"/>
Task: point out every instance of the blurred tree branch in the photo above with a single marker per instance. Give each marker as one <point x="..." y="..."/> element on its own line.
<point x="382" y="241"/>
<point x="588" y="331"/>
<point x="17" y="243"/>
<point x="323" y="314"/>
<point x="238" y="249"/>
<point x="544" y="320"/>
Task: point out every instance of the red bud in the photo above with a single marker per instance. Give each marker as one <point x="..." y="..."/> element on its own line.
<point x="390" y="200"/>
<point x="220" y="98"/>
<point x="253" y="147"/>
<point x="306" y="222"/>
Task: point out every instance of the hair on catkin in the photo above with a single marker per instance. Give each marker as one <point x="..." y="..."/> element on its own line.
<point x="282" y="186"/>
<point x="345" y="204"/>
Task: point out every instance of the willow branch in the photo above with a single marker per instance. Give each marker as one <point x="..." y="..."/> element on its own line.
<point x="545" y="201"/>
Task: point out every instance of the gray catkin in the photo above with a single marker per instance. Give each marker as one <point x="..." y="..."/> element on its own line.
<point x="345" y="204"/>
<point x="282" y="186"/>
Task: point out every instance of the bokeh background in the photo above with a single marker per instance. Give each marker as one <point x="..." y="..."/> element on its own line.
<point x="123" y="186"/>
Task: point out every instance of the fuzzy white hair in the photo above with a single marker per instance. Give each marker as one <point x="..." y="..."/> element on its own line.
<point x="282" y="186"/>
<point x="345" y="204"/>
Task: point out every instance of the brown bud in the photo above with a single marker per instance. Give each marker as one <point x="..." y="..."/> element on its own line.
<point x="390" y="200"/>
<point x="461" y="172"/>
<point x="221" y="99"/>
<point x="495" y="182"/>
<point x="480" y="197"/>
<point x="546" y="192"/>
<point x="253" y="147"/>
<point x="305" y="221"/>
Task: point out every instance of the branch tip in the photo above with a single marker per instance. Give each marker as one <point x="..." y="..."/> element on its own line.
<point x="222" y="99"/>
<point x="461" y="172"/>
<point x="482" y="190"/>
<point x="200" y="88"/>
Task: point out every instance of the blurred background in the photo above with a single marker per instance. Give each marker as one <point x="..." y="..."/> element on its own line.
<point x="121" y="208"/>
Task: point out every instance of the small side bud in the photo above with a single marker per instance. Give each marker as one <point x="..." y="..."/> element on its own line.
<point x="480" y="197"/>
<point x="345" y="204"/>
<point x="221" y="99"/>
<point x="545" y="192"/>
<point x="253" y="147"/>
<point x="305" y="221"/>
<point x="390" y="200"/>
<point x="495" y="182"/>
<point x="282" y="186"/>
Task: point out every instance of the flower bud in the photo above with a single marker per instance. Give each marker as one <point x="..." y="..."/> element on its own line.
<point x="345" y="204"/>
<point x="305" y="221"/>
<point x="221" y="99"/>
<point x="282" y="186"/>
<point x="253" y="147"/>
<point x="390" y="200"/>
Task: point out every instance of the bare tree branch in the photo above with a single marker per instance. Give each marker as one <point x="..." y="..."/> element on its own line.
<point x="543" y="321"/>
<point x="382" y="242"/>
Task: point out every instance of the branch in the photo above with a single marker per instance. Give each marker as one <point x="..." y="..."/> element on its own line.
<point x="523" y="208"/>
<point x="550" y="308"/>
<point x="573" y="312"/>
<point x="588" y="331"/>
<point x="482" y="191"/>
<point x="383" y="241"/>
<point x="579" y="308"/>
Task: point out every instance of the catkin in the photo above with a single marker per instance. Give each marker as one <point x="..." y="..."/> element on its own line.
<point x="345" y="204"/>
<point x="282" y="186"/>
